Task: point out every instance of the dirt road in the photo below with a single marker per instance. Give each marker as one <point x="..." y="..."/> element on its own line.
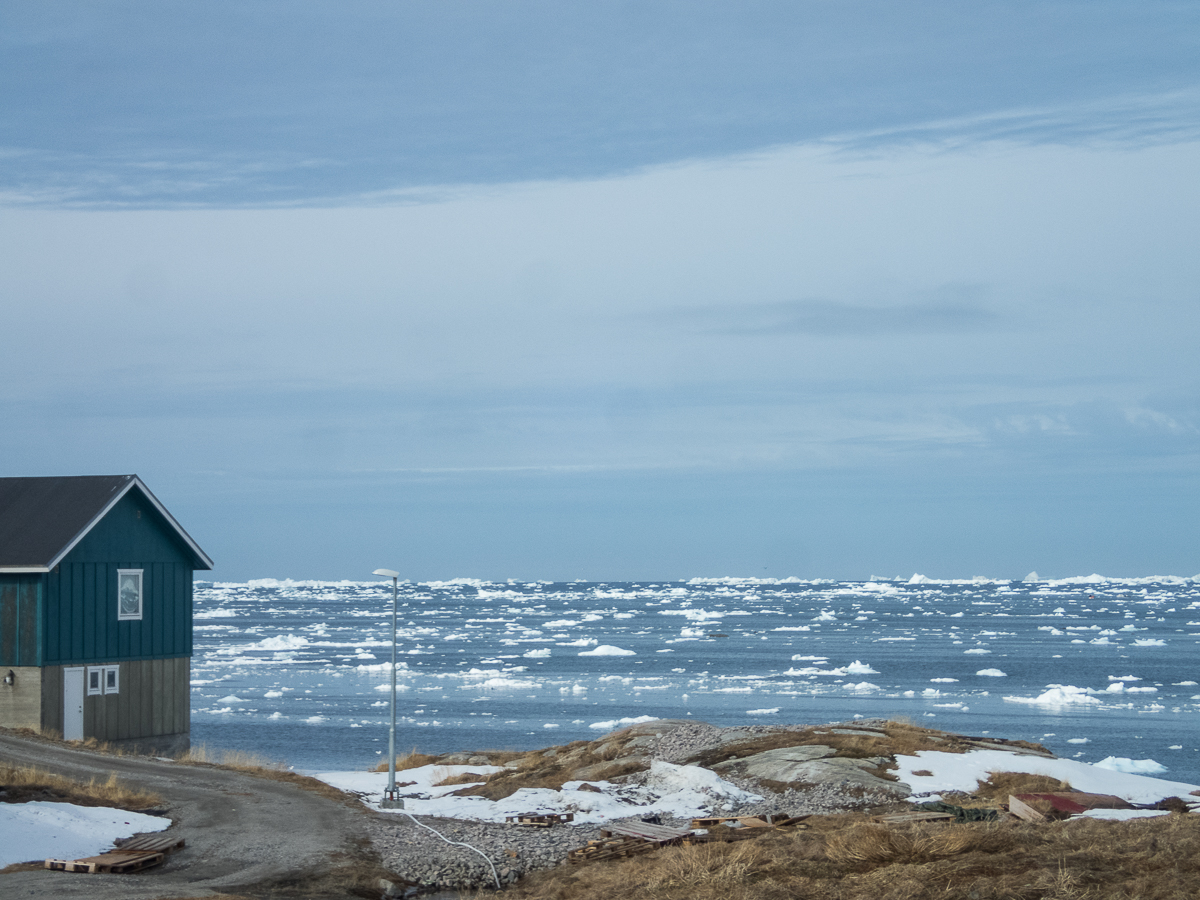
<point x="244" y="834"/>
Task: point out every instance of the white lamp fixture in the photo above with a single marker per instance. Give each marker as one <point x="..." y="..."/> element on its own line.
<point x="390" y="799"/>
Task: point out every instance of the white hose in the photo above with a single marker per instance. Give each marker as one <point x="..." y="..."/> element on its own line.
<point x="456" y="844"/>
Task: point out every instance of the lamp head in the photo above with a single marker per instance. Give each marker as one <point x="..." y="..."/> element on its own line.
<point x="386" y="573"/>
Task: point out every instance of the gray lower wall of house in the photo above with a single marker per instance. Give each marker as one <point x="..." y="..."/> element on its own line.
<point x="150" y="713"/>
<point x="21" y="701"/>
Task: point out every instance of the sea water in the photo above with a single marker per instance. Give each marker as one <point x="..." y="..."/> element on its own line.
<point x="299" y="672"/>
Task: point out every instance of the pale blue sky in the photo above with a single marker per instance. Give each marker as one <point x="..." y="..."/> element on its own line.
<point x="625" y="290"/>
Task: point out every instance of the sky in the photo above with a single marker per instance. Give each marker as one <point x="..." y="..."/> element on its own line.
<point x="614" y="290"/>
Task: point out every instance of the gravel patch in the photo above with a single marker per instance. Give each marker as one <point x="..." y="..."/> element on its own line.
<point x="421" y="857"/>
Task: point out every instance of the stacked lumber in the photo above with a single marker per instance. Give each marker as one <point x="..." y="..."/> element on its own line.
<point x="769" y="821"/>
<point x="610" y="848"/>
<point x="646" y="831"/>
<point x="540" y="820"/>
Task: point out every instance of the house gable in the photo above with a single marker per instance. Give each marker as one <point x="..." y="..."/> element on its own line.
<point x="80" y="614"/>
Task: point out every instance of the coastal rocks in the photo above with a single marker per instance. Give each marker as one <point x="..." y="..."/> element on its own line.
<point x="814" y="764"/>
<point x="420" y="856"/>
<point x="603" y="771"/>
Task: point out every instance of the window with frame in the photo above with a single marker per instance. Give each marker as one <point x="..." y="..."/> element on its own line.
<point x="129" y="594"/>
<point x="103" y="680"/>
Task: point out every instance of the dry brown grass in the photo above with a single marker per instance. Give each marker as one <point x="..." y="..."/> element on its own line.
<point x="410" y="760"/>
<point x="261" y="767"/>
<point x="898" y="737"/>
<point x="880" y="844"/>
<point x="22" y="783"/>
<point x="1000" y="785"/>
<point x="850" y="858"/>
<point x="464" y="778"/>
<point x="579" y="760"/>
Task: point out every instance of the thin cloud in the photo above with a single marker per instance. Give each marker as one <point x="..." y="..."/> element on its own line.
<point x="833" y="319"/>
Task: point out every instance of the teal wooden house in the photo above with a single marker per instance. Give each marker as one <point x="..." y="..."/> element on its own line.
<point x="95" y="612"/>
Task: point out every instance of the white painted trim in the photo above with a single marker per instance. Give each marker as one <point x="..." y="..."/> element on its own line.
<point x="134" y="480"/>
<point x="141" y="595"/>
<point x="24" y="570"/>
<point x="96" y="672"/>
<point x="115" y="672"/>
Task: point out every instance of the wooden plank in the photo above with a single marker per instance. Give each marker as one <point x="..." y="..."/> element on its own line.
<point x="723" y="835"/>
<point x="183" y="695"/>
<point x="52" y="698"/>
<point x="156" y="699"/>
<point x="10" y="622"/>
<point x="1022" y="810"/>
<point x="159" y="843"/>
<point x="114" y="862"/>
<point x="611" y="848"/>
<point x="125" y="701"/>
<point x="144" y="723"/>
<point x="540" y="820"/>
<point x="753" y="822"/>
<point x="771" y="821"/>
<point x="28" y="610"/>
<point x="168" y="696"/>
<point x="647" y="832"/>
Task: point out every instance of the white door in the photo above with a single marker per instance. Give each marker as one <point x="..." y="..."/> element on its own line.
<point x="73" y="704"/>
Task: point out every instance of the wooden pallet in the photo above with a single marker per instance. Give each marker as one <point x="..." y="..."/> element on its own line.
<point x="132" y="855"/>
<point x="723" y="835"/>
<point x="540" y="820"/>
<point x="770" y="821"/>
<point x="114" y="862"/>
<point x="159" y="843"/>
<point x="644" y="831"/>
<point x="610" y="848"/>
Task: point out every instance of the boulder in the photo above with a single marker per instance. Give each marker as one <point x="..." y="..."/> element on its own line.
<point x="596" y="772"/>
<point x="813" y="764"/>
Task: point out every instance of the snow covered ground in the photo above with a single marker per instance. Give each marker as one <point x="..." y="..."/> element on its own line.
<point x="670" y="790"/>
<point x="687" y="791"/>
<point x="961" y="771"/>
<point x="41" y="830"/>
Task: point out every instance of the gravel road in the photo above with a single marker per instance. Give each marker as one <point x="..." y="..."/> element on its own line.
<point x="243" y="834"/>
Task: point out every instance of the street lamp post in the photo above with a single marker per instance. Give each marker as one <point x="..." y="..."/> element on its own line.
<point x="390" y="800"/>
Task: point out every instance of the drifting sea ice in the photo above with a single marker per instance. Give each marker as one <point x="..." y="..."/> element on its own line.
<point x="322" y="666"/>
<point x="608" y="650"/>
<point x="1059" y="695"/>
<point x="1131" y="766"/>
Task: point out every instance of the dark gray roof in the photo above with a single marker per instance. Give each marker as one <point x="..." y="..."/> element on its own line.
<point x="42" y="519"/>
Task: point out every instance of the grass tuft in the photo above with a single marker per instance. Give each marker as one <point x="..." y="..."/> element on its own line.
<point x="847" y="857"/>
<point x="410" y="760"/>
<point x="23" y="783"/>
<point x="261" y="767"/>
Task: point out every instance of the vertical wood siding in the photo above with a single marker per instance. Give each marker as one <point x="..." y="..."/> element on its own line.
<point x="154" y="699"/>
<point x="20" y="620"/>
<point x="80" y="597"/>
